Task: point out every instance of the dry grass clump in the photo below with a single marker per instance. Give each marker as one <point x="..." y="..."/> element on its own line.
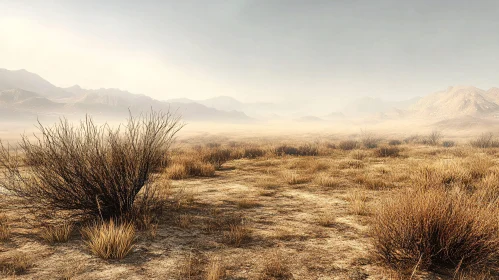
<point x="4" y="228"/>
<point x="369" y="140"/>
<point x="387" y="152"/>
<point x="16" y="264"/>
<point x="246" y="203"/>
<point x="275" y="268"/>
<point x="359" y="155"/>
<point x="253" y="152"/>
<point x="57" y="233"/>
<point x="304" y="150"/>
<point x="485" y="140"/>
<point x="324" y="180"/>
<point x="358" y="203"/>
<point x="237" y="235"/>
<point x="394" y="142"/>
<point x="110" y="240"/>
<point x="215" y="269"/>
<point x="448" y="144"/>
<point x="326" y="219"/>
<point x="217" y="157"/>
<point x="351" y="163"/>
<point x="433" y="138"/>
<point x="294" y="178"/>
<point x="347" y="145"/>
<point x="88" y="169"/>
<point x="189" y="166"/>
<point x="435" y="229"/>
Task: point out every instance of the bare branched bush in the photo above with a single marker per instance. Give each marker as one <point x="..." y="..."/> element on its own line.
<point x="485" y="140"/>
<point x="433" y="138"/>
<point x="217" y="157"/>
<point x="369" y="140"/>
<point x="394" y="142"/>
<point x="435" y="229"/>
<point x="86" y="168"/>
<point x="348" y="145"/>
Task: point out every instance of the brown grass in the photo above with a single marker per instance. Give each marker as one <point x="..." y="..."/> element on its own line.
<point x="237" y="235"/>
<point x="16" y="264"/>
<point x="215" y="269"/>
<point x="437" y="229"/>
<point x="110" y="240"/>
<point x="275" y="268"/>
<point x="4" y="228"/>
<point x="326" y="219"/>
<point x="57" y="233"/>
<point x="348" y="145"/>
<point x="387" y="152"/>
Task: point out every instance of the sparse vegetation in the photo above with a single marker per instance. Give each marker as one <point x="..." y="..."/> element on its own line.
<point x="4" y="228"/>
<point x="110" y="240"/>
<point x="427" y="208"/>
<point x="348" y="145"/>
<point x="387" y="152"/>
<point x="437" y="229"/>
<point x="89" y="169"/>
<point x="57" y="233"/>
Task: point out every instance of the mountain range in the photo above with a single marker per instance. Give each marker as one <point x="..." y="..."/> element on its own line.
<point x="24" y="95"/>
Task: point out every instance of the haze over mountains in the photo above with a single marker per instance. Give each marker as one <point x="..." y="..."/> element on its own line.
<point x="25" y="95"/>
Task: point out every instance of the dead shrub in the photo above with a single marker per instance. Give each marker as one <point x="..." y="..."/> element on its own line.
<point x="448" y="144"/>
<point x="88" y="169"/>
<point x="253" y="152"/>
<point x="485" y="140"/>
<point x="348" y="145"/>
<point x="217" y="157"/>
<point x="304" y="150"/>
<point x="435" y="229"/>
<point x="110" y="240"/>
<point x="387" y="152"/>
<point x="394" y="142"/>
<point x="57" y="233"/>
<point x="433" y="138"/>
<point x="369" y="140"/>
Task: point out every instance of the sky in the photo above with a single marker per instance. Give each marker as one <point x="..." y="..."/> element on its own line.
<point x="255" y="50"/>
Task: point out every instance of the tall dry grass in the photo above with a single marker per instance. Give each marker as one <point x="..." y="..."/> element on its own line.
<point x="437" y="229"/>
<point x="110" y="240"/>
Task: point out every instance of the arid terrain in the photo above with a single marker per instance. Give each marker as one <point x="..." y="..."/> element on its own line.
<point x="262" y="208"/>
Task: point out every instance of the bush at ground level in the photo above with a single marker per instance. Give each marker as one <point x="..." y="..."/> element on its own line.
<point x="437" y="229"/>
<point x="89" y="169"/>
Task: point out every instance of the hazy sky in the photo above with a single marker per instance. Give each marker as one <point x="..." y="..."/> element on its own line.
<point x="255" y="49"/>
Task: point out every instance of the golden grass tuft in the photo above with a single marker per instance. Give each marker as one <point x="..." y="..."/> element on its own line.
<point x="246" y="203"/>
<point x="275" y="268"/>
<point x="237" y="235"/>
<point x="110" y="240"/>
<point x="215" y="269"/>
<point x="324" y="180"/>
<point x="358" y="203"/>
<point x="57" y="234"/>
<point x="326" y="219"/>
<point x="437" y="229"/>
<point x="293" y="178"/>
